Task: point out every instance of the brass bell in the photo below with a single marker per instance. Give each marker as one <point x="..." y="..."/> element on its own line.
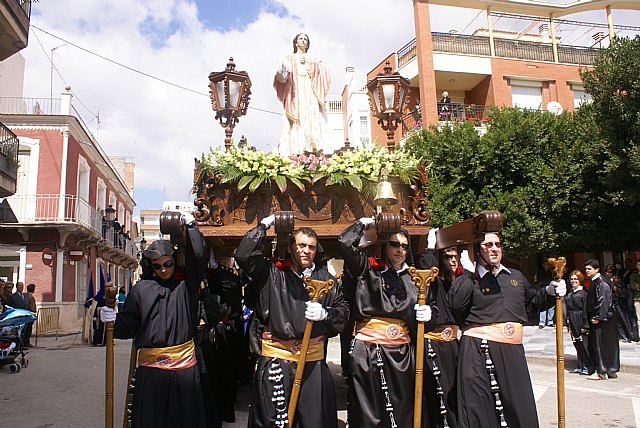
<point x="385" y="195"/>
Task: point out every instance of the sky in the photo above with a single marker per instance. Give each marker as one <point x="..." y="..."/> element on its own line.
<point x="156" y="108"/>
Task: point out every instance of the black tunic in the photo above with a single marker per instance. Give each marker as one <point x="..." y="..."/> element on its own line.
<point x="387" y="294"/>
<point x="162" y="314"/>
<point x="280" y="307"/>
<point x="446" y="357"/>
<point x="604" y="348"/>
<point x="578" y="321"/>
<point x="486" y="300"/>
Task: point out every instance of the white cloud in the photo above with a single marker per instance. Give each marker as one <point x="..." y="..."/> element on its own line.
<point x="164" y="38"/>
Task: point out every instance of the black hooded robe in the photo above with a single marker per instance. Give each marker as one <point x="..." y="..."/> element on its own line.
<point x="161" y="314"/>
<point x="280" y="308"/>
<point x="577" y="320"/>
<point x="387" y="294"/>
<point x="487" y="300"/>
<point x="446" y="357"/>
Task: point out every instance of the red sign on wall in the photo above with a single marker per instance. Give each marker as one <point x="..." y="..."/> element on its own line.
<point x="47" y="256"/>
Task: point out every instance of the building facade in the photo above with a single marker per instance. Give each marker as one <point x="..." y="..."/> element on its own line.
<point x="523" y="54"/>
<point x="62" y="234"/>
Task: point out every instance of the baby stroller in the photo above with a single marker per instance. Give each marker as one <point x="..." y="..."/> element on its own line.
<point x="12" y="324"/>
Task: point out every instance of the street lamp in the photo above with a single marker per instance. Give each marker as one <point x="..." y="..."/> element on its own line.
<point x="51" y="84"/>
<point x="387" y="96"/>
<point x="111" y="214"/>
<point x="229" y="91"/>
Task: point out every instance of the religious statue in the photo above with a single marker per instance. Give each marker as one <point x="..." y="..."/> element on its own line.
<point x="301" y="83"/>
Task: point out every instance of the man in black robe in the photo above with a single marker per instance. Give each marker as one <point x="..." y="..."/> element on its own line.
<point x="162" y="314"/>
<point x="603" y="329"/>
<point x="382" y="366"/>
<point x="441" y="342"/>
<point x="491" y="303"/>
<point x="282" y="310"/>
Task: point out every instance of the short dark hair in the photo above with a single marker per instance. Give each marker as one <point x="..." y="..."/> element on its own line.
<point x="295" y="40"/>
<point x="593" y="263"/>
<point x="303" y="231"/>
<point x="31" y="288"/>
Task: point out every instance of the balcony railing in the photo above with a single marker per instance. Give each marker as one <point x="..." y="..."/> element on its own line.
<point x="333" y="104"/>
<point x="48" y="209"/>
<point x="447" y="112"/>
<point x="18" y="105"/>
<point x="25" y="5"/>
<point x="9" y="145"/>
<point x="515" y="49"/>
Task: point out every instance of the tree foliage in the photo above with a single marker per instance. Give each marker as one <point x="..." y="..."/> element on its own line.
<point x="536" y="168"/>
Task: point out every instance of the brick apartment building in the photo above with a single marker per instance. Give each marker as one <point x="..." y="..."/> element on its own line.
<point x="55" y="229"/>
<point x="521" y="53"/>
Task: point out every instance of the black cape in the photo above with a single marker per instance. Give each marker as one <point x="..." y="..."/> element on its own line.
<point x="280" y="308"/>
<point x="161" y="314"/>
<point x="486" y="300"/>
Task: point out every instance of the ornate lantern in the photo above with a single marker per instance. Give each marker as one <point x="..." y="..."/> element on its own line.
<point x="387" y="96"/>
<point x="229" y="91"/>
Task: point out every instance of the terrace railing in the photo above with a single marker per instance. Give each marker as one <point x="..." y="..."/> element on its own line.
<point x="514" y="49"/>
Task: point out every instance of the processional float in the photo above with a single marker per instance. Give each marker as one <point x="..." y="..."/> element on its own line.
<point x="225" y="211"/>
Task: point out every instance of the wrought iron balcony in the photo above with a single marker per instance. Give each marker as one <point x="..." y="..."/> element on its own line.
<point x="9" y="145"/>
<point x="447" y="112"/>
<point x="14" y="26"/>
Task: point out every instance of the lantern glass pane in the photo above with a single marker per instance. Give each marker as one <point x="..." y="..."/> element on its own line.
<point x="376" y="99"/>
<point x="401" y="98"/>
<point x="221" y="98"/>
<point x="389" y="91"/>
<point x="234" y="93"/>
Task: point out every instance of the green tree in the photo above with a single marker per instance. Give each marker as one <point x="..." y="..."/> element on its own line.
<point x="614" y="84"/>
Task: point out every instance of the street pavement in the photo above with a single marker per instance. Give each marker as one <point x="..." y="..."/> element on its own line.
<point x="63" y="386"/>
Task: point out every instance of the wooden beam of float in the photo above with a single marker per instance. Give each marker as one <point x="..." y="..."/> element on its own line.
<point x="469" y="231"/>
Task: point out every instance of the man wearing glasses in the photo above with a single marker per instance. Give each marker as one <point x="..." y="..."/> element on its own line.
<point x="382" y="363"/>
<point x="491" y="302"/>
<point x="282" y="310"/>
<point x="161" y="314"/>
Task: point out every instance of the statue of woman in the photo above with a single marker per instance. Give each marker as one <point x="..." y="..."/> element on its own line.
<point x="301" y="83"/>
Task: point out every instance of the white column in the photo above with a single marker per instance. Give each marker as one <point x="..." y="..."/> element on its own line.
<point x="65" y="102"/>
<point x="59" y="274"/>
<point x="22" y="268"/>
<point x="63" y="174"/>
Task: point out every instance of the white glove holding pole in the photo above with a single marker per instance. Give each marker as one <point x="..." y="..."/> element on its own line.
<point x="268" y="221"/>
<point x="466" y="262"/>
<point x="431" y="238"/>
<point x="315" y="312"/>
<point x="423" y="312"/>
<point x="557" y="288"/>
<point x="367" y="222"/>
<point x="108" y="314"/>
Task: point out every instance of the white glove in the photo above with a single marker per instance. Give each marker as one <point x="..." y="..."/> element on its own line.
<point x="423" y="312"/>
<point x="108" y="314"/>
<point x="268" y="221"/>
<point x="466" y="262"/>
<point x="315" y="312"/>
<point x="367" y="222"/>
<point x="188" y="219"/>
<point x="558" y="288"/>
<point x="431" y="238"/>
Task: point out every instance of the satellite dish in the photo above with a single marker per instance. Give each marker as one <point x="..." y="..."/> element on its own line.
<point x="554" y="107"/>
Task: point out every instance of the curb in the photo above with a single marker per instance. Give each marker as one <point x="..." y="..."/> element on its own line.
<point x="550" y="360"/>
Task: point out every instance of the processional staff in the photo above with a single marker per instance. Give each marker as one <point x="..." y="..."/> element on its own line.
<point x="110" y="300"/>
<point x="423" y="280"/>
<point x="558" y="266"/>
